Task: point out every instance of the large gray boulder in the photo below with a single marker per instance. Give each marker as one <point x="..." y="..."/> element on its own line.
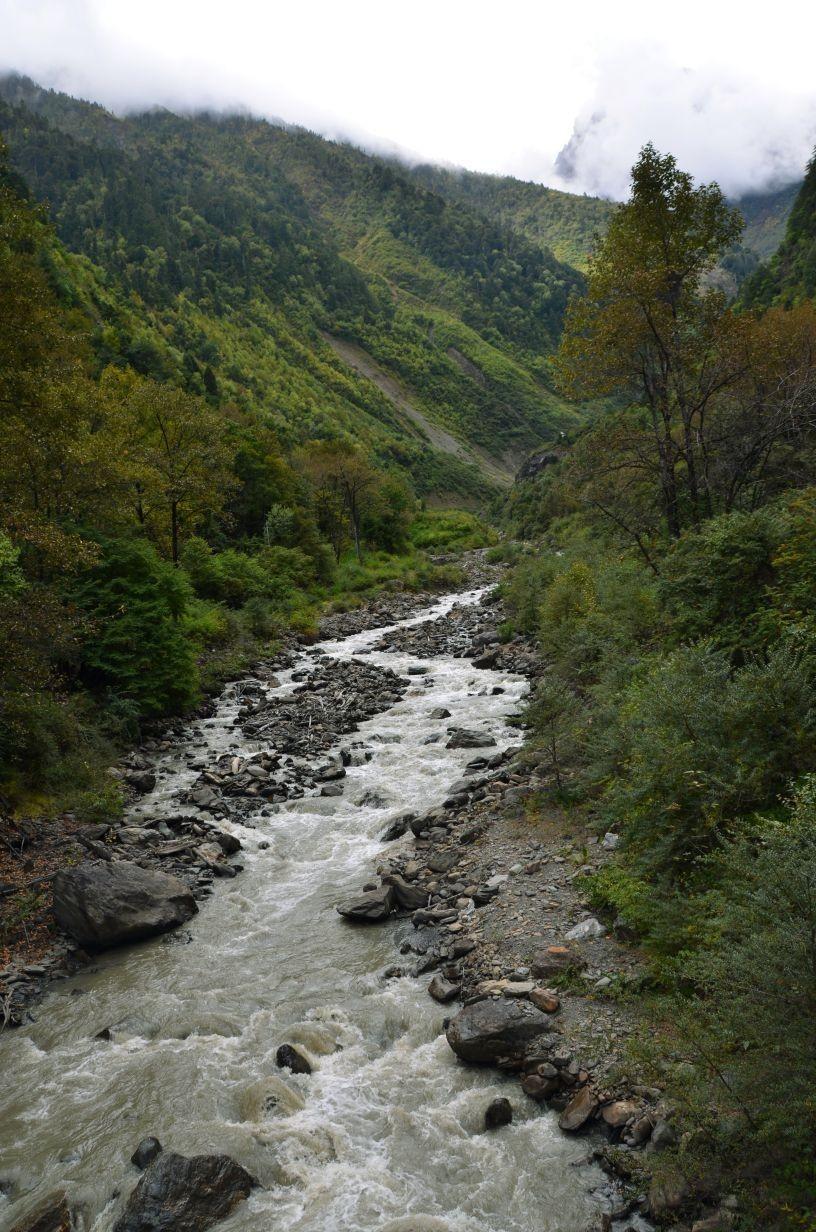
<point x="185" y="1195"/>
<point x="488" y="1030"/>
<point x="103" y="905"/>
<point x="369" y="907"/>
<point x="464" y="739"/>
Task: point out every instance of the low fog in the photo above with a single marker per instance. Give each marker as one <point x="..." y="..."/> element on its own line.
<point x="564" y="98"/>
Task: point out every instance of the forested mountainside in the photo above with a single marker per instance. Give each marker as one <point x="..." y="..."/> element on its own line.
<point x="790" y="275"/>
<point x="669" y="574"/>
<point x="233" y="252"/>
<point x="570" y="224"/>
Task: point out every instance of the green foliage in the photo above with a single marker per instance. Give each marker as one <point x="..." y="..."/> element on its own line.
<point x="135" y="647"/>
<point x="449" y="530"/>
<point x="790" y="275"/>
<point x="699" y="747"/>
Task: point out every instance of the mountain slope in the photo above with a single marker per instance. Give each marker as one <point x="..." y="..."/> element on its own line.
<point x="790" y="275"/>
<point x="221" y="252"/>
<point x="568" y="224"/>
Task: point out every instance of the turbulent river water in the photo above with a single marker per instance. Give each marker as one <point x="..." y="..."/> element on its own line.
<point x="387" y="1132"/>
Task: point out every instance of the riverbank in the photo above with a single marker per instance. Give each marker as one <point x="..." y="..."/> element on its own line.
<point x="193" y="847"/>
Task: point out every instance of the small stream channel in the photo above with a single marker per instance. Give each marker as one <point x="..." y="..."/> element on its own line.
<point x="386" y="1134"/>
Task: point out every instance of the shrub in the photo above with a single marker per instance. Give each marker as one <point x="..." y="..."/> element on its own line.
<point x="135" y="647"/>
<point x="697" y="747"/>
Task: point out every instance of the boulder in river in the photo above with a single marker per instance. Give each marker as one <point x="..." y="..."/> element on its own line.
<point x="369" y="907"/>
<point x="491" y="1029"/>
<point x="443" y="990"/>
<point x="103" y="905"/>
<point x="290" y="1057"/>
<point x="409" y="897"/>
<point x="185" y="1195"/>
<point x="146" y="1152"/>
<point x="52" y="1215"/>
<point x="498" y="1112"/>
<point x="463" y="739"/>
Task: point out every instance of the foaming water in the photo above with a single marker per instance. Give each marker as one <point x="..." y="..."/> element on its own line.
<point x="386" y="1133"/>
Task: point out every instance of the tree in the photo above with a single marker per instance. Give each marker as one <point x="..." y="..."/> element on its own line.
<point x="180" y="460"/>
<point x="651" y="333"/>
<point x="342" y="475"/>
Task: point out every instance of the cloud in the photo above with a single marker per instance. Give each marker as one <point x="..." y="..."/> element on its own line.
<point x="719" y="126"/>
<point x="546" y="92"/>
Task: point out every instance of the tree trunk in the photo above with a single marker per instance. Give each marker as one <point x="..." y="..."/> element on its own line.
<point x="174" y="537"/>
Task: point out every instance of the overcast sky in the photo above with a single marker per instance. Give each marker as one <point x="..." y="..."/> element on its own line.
<point x="564" y="93"/>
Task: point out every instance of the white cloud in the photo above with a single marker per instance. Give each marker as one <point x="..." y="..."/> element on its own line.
<point x="495" y="88"/>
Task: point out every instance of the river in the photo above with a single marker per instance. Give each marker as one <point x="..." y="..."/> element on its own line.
<point x="387" y="1133"/>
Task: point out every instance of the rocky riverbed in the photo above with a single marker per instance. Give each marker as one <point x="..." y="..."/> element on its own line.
<point x="329" y="761"/>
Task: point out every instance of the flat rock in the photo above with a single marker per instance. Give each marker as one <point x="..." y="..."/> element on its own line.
<point x="443" y="990"/>
<point x="555" y="960"/>
<point x="579" y="1110"/>
<point x="463" y="739"/>
<point x="185" y="1195"/>
<point x="486" y="1030"/>
<point x="370" y="907"/>
<point x="109" y="904"/>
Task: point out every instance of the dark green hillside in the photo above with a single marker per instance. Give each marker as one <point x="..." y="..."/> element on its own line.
<point x="564" y="222"/>
<point x="230" y="250"/>
<point x="790" y="275"/>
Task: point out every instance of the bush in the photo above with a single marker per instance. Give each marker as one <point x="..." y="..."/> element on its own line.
<point x="136" y="648"/>
<point x="697" y="748"/>
<point x="450" y="530"/>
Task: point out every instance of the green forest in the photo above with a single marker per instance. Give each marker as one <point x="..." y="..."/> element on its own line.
<point x="667" y="565"/>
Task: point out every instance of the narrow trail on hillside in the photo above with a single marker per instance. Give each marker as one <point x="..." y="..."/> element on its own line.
<point x="386" y="1134"/>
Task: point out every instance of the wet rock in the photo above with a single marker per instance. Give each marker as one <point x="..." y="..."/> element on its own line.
<point x="464" y="739"/>
<point x="370" y="907"/>
<point x="440" y="713"/>
<point x="185" y="1195"/>
<point x="579" y="1110"/>
<point x="487" y="1030"/>
<point x="141" y="780"/>
<point x="443" y="990"/>
<point x="147" y="1150"/>
<point x="397" y="828"/>
<point x="409" y="897"/>
<point x="498" y="1112"/>
<point x="487" y="660"/>
<point x="104" y="905"/>
<point x="52" y="1215"/>
<point x="290" y="1057"/>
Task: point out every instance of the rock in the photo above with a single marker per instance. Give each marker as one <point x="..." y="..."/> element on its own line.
<point x="409" y="897"/>
<point x="486" y="1030"/>
<point x="579" y="1110"/>
<point x="185" y="1195"/>
<point x="440" y="713"/>
<point x="103" y="905"/>
<point x="498" y="1112"/>
<point x="397" y="828"/>
<point x="228" y="843"/>
<point x="586" y="929"/>
<point x="332" y="789"/>
<point x="518" y="988"/>
<point x="370" y="907"/>
<point x="52" y="1215"/>
<point x="556" y="960"/>
<point x="146" y="1152"/>
<point x="610" y="841"/>
<point x="462" y="739"/>
<point x="548" y="1002"/>
<point x="443" y="990"/>
<point x="616" y="1114"/>
<point x="290" y="1057"/>
<point x="141" y="780"/>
